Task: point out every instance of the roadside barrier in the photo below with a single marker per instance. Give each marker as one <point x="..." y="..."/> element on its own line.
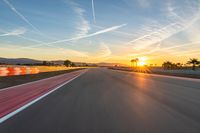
<point x="11" y="71"/>
<point x="3" y="71"/>
<point x="34" y="70"/>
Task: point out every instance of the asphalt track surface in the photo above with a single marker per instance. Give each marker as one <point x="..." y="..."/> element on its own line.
<point x="108" y="101"/>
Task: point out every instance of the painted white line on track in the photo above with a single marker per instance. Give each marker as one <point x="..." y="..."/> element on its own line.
<point x="36" y="100"/>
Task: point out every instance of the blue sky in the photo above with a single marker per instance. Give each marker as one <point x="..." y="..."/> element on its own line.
<point x="100" y="30"/>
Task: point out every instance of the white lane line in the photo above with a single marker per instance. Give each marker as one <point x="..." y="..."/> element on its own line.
<point x="160" y="75"/>
<point x="34" y="101"/>
<point x="37" y="81"/>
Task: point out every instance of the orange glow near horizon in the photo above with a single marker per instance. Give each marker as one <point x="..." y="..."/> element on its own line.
<point x="142" y="61"/>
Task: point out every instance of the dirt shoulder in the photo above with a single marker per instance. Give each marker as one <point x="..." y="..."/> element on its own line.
<point x="21" y="79"/>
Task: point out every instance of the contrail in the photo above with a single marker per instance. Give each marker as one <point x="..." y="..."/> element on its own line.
<point x="19" y="33"/>
<point x="182" y="45"/>
<point x="81" y="37"/>
<point x="90" y="35"/>
<point x="19" y="14"/>
<point x="14" y="32"/>
<point x="93" y="11"/>
<point x="148" y="35"/>
<point x="174" y="47"/>
<point x="120" y="32"/>
<point x="4" y="35"/>
<point x="23" y="17"/>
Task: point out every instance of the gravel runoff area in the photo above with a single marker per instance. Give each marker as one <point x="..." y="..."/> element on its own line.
<point x="21" y="79"/>
<point x="178" y="73"/>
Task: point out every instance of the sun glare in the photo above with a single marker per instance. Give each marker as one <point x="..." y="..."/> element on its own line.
<point x="142" y="61"/>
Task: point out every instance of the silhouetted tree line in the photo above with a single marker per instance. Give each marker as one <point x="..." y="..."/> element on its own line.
<point x="68" y="63"/>
<point x="44" y="63"/>
<point x="169" y="65"/>
<point x="3" y="63"/>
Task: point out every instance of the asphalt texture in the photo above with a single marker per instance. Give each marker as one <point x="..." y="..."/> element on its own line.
<point x="109" y="101"/>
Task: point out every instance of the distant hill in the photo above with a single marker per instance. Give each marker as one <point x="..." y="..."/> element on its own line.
<point x="14" y="61"/>
<point x="59" y="62"/>
<point x="109" y="64"/>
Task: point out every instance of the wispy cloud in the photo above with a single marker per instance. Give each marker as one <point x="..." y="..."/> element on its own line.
<point x="113" y="28"/>
<point x="104" y="51"/>
<point x="23" y="18"/>
<point x="147" y="52"/>
<point x="181" y="45"/>
<point x="74" y="53"/>
<point x="186" y="52"/>
<point x="186" y="16"/>
<point x="15" y="32"/>
<point x="156" y="36"/>
<point x="19" y="33"/>
<point x="101" y="54"/>
<point x="93" y="12"/>
<point x="91" y="35"/>
<point x="20" y="15"/>
<point x="177" y="24"/>
<point x="83" y="26"/>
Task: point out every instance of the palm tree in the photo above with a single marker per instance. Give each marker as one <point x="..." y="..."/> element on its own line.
<point x="132" y="62"/>
<point x="136" y="61"/>
<point x="194" y="62"/>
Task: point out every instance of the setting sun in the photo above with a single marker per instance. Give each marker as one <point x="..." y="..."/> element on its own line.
<point x="142" y="61"/>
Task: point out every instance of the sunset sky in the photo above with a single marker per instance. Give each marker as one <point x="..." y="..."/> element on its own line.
<point x="100" y="30"/>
